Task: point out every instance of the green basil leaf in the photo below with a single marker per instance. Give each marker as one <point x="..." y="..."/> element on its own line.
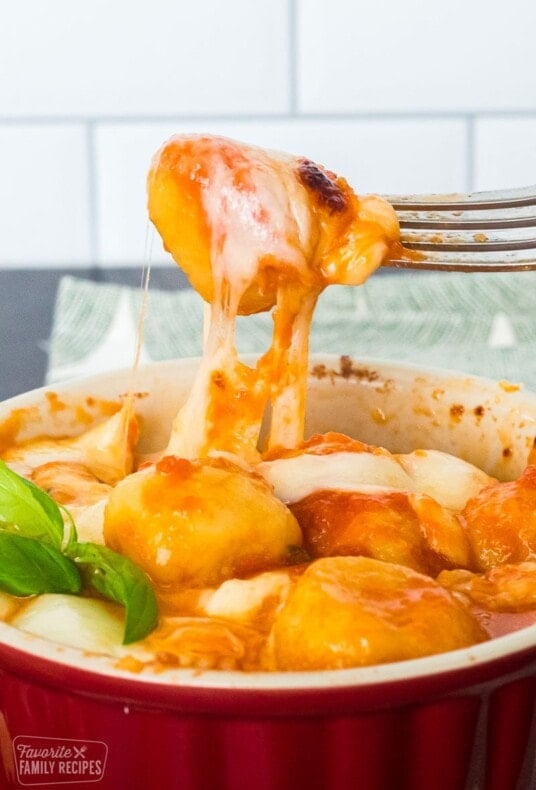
<point x="119" y="579"/>
<point x="28" y="510"/>
<point x="29" y="567"/>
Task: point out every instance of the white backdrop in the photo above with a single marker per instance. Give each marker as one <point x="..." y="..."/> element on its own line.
<point x="397" y="96"/>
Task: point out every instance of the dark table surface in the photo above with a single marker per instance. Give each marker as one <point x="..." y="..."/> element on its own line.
<point x="26" y="312"/>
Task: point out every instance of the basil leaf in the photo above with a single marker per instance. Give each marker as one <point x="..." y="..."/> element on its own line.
<point x="119" y="579"/>
<point x="29" y="567"/>
<point x="28" y="510"/>
<point x="31" y="542"/>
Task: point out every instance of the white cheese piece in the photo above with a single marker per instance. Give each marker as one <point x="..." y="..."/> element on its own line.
<point x="84" y="623"/>
<point x="25" y="458"/>
<point x="106" y="449"/>
<point x="299" y="476"/>
<point x="242" y="599"/>
<point x="447" y="479"/>
<point x="89" y="520"/>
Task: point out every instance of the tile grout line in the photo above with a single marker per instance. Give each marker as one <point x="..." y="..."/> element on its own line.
<point x="470" y="144"/>
<point x="92" y="195"/>
<point x="293" y="56"/>
<point x="385" y="115"/>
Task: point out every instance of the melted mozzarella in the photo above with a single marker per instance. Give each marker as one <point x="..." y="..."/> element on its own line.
<point x="299" y="476"/>
<point x="24" y="458"/>
<point x="84" y="623"/>
<point x="264" y="214"/>
<point x="255" y="229"/>
<point x="89" y="520"/>
<point x="242" y="599"/>
<point x="445" y="478"/>
<point x="107" y="450"/>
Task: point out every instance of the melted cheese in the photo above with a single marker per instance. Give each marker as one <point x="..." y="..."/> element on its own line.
<point x="449" y="480"/>
<point x="254" y="209"/>
<point x="297" y="477"/>
<point x="106" y="450"/>
<point x="243" y="599"/>
<point x="255" y="229"/>
<point x="84" y="623"/>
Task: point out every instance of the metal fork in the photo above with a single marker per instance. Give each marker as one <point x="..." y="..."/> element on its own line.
<point x="479" y="232"/>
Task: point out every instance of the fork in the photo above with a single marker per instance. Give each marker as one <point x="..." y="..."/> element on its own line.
<point x="478" y="232"/>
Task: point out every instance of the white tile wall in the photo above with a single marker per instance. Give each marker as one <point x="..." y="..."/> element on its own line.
<point x="398" y="97"/>
<point x="505" y="152"/>
<point x="412" y="55"/>
<point x="128" y="57"/>
<point x="44" y="195"/>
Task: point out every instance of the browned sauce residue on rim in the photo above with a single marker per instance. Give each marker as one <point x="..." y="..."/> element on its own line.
<point x="14" y="424"/>
<point x="457" y="411"/>
<point x="54" y="402"/>
<point x="347" y="369"/>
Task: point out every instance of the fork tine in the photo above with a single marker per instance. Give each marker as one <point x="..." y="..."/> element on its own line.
<point x="474" y="247"/>
<point x="471" y="239"/>
<point x="469" y="260"/>
<point x="474" y="220"/>
<point x="475" y="201"/>
<point x="483" y="231"/>
<point x="460" y="264"/>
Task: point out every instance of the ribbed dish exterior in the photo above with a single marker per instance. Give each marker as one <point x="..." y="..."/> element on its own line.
<point x="482" y="738"/>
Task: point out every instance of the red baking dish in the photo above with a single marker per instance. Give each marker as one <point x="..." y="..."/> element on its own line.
<point x="463" y="719"/>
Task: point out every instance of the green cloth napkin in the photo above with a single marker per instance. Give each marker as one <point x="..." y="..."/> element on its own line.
<point x="476" y="323"/>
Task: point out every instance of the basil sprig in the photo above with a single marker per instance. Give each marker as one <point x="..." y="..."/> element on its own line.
<point x="39" y="555"/>
<point x="28" y="567"/>
<point x="119" y="579"/>
<point x="28" y="510"/>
